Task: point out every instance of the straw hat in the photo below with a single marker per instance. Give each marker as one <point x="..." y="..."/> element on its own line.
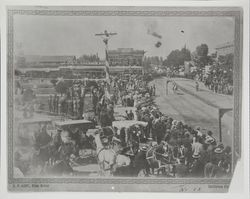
<point x="105" y="140"/>
<point x="218" y="150"/>
<point x="59" y="129"/>
<point x="144" y="148"/>
<point x="221" y="146"/>
<point x="196" y="156"/>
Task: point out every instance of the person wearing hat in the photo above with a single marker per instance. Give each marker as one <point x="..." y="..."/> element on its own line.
<point x="210" y="140"/>
<point x="197" y="146"/>
<point x="105" y="142"/>
<point x="144" y="148"/>
<point x="196" y="156"/>
<point x="42" y="141"/>
<point x="116" y="144"/>
<point x="131" y="115"/>
<point x="218" y="150"/>
<point x="57" y="138"/>
<point x="225" y="163"/>
<point x="197" y="167"/>
<point x="198" y="129"/>
<point x="140" y="161"/>
<point x="162" y="154"/>
<point x="210" y="168"/>
<point x="218" y="154"/>
<point x="181" y="170"/>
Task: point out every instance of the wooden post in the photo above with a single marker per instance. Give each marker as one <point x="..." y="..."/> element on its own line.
<point x="222" y="111"/>
<point x="220" y="133"/>
<point x="167" y="88"/>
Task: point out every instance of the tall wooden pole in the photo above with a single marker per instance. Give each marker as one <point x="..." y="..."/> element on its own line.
<point x="106" y="36"/>
<point x="222" y="111"/>
<point x="220" y="133"/>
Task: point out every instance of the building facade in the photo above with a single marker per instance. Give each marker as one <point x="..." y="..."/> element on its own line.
<point x="225" y="48"/>
<point x="125" y="57"/>
<point x="49" y="61"/>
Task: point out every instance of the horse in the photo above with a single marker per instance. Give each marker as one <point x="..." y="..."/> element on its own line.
<point x="159" y="157"/>
<point x="59" y="168"/>
<point x="55" y="153"/>
<point x="108" y="159"/>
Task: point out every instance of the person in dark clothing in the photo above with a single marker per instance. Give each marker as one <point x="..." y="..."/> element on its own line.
<point x="42" y="141"/>
<point x="154" y="90"/>
<point x="94" y="100"/>
<point x="127" y="115"/>
<point x="197" y="86"/>
<point x="181" y="170"/>
<point x="210" y="169"/>
<point x="50" y="101"/>
<point x="122" y="137"/>
<point x="76" y="136"/>
<point x="197" y="168"/>
<point x="57" y="103"/>
<point x="128" y="101"/>
<point x="98" y="111"/>
<point x="140" y="162"/>
<point x="131" y="115"/>
<point x="105" y="118"/>
<point x="54" y="103"/>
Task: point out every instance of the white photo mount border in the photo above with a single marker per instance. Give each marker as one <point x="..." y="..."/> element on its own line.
<point x="124" y="184"/>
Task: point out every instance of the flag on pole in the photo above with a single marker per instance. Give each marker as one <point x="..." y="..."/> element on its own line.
<point x="107" y="66"/>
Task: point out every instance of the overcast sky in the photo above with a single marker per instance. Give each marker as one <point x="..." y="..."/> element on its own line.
<point x="75" y="35"/>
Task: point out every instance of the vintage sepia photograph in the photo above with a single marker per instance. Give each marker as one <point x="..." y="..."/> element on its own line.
<point x="143" y="99"/>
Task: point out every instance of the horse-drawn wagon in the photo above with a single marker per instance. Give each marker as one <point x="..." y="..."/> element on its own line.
<point x="146" y="154"/>
<point x="76" y="132"/>
<point x="72" y="125"/>
<point x="28" y="128"/>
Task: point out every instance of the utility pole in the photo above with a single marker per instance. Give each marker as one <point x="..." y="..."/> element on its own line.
<point x="105" y="37"/>
<point x="222" y="111"/>
<point x="167" y="86"/>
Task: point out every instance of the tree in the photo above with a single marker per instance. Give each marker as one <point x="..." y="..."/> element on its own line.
<point x="88" y="59"/>
<point x="173" y="59"/>
<point x="177" y="58"/>
<point x="202" y="50"/>
<point x="185" y="55"/>
<point x="148" y="62"/>
<point x="226" y="64"/>
<point x="202" y="58"/>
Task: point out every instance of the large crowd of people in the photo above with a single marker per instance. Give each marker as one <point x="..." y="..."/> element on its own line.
<point x="190" y="151"/>
<point x="193" y="153"/>
<point x="197" y="154"/>
<point x="217" y="79"/>
<point x="126" y="91"/>
<point x="69" y="104"/>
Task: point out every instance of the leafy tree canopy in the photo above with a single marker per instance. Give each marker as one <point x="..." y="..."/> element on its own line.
<point x="177" y="57"/>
